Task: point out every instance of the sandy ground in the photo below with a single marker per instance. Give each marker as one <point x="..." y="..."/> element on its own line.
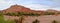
<point x="10" y="17"/>
<point x="42" y="19"/>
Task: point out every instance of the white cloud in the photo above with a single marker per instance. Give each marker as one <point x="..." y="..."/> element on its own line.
<point x="41" y="7"/>
<point x="3" y="4"/>
<point x="37" y="6"/>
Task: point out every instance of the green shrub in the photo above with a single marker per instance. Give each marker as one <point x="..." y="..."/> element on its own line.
<point x="49" y="13"/>
<point x="10" y="14"/>
<point x="10" y="21"/>
<point x="4" y="21"/>
<point x="54" y="21"/>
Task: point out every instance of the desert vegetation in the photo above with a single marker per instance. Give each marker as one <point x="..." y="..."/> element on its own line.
<point x="49" y="13"/>
<point x="2" y="20"/>
<point x="36" y="21"/>
<point x="21" y="18"/>
<point x="54" y="21"/>
<point x="30" y="14"/>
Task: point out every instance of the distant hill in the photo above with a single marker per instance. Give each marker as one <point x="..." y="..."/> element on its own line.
<point x="19" y="8"/>
<point x="15" y="8"/>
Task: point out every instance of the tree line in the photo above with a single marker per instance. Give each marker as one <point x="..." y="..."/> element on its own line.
<point x="26" y="14"/>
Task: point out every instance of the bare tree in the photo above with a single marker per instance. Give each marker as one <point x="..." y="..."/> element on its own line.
<point x="36" y="21"/>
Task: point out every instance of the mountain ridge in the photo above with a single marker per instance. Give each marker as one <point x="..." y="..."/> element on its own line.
<point x="19" y="8"/>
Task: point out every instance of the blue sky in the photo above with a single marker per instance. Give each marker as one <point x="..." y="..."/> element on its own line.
<point x="32" y="4"/>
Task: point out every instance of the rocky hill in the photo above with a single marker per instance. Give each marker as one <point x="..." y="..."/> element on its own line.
<point x="19" y="8"/>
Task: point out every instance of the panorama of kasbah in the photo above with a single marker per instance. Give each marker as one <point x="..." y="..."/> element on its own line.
<point x="20" y="14"/>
